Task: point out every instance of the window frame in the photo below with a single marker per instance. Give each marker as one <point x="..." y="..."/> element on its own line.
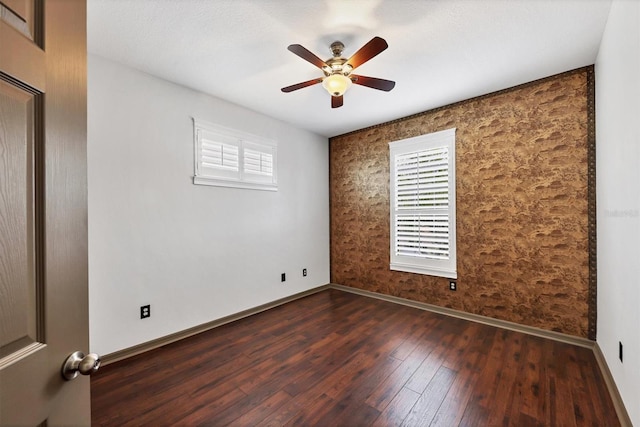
<point x="414" y="264"/>
<point x="241" y="177"/>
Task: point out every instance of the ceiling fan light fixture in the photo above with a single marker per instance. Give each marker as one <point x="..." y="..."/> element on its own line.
<point x="336" y="84"/>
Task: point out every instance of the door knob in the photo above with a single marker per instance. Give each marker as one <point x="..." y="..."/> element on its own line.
<point x="78" y="362"/>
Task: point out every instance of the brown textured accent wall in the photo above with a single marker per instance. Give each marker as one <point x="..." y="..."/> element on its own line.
<point x="522" y="201"/>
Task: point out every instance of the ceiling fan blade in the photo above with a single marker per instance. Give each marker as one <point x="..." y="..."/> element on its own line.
<point x="368" y="51"/>
<point x="305" y="54"/>
<point x="336" y="101"/>
<point x="380" y="84"/>
<point x="301" y="85"/>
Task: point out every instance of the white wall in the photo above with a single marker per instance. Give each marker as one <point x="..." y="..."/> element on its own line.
<point x="195" y="253"/>
<point x="618" y="198"/>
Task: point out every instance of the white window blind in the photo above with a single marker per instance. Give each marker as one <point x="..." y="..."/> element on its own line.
<point x="219" y="155"/>
<point x="258" y="163"/>
<point x="231" y="158"/>
<point x="423" y="204"/>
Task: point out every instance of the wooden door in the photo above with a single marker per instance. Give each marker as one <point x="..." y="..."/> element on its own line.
<point x="43" y="211"/>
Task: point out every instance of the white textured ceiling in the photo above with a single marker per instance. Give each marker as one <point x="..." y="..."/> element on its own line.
<point x="440" y="51"/>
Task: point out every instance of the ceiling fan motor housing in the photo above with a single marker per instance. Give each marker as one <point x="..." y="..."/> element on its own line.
<point x="335" y="65"/>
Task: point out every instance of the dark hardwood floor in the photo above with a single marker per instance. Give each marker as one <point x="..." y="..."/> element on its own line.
<point x="339" y="359"/>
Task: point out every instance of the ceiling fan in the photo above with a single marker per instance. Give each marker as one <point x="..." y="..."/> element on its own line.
<point x="337" y="70"/>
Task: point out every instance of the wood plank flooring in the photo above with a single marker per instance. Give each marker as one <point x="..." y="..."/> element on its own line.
<point x="339" y="359"/>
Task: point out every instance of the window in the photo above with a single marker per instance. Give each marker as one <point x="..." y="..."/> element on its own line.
<point x="423" y="204"/>
<point x="230" y="158"/>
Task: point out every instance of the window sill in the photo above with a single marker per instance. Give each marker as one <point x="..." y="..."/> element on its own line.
<point x="418" y="269"/>
<point x="201" y="180"/>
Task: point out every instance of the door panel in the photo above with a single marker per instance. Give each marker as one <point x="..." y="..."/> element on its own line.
<point x="18" y="305"/>
<point x="20" y="42"/>
<point x="21" y="16"/>
<point x="21" y="300"/>
<point x="43" y="216"/>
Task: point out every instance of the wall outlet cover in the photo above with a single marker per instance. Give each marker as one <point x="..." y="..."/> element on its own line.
<point x="145" y="311"/>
